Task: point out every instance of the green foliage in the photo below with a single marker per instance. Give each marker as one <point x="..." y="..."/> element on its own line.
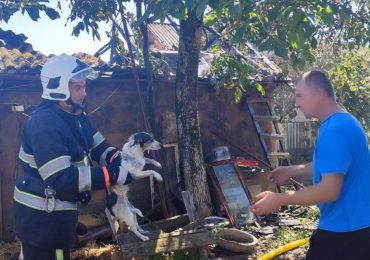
<point x="287" y="235"/>
<point x="284" y="97"/>
<point x="350" y="75"/>
<point x="90" y="13"/>
<point x="291" y="29"/>
<point x="230" y="73"/>
<point x="32" y="8"/>
<point x="178" y="255"/>
<point x="313" y="214"/>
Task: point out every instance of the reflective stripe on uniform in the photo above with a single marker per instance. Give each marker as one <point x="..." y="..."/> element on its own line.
<point x="59" y="254"/>
<point x="27" y="158"/>
<point x="39" y="203"/>
<point x="84" y="162"/>
<point x="84" y="178"/>
<point x="98" y="139"/>
<point x="123" y="173"/>
<point x="104" y="155"/>
<point x="54" y="166"/>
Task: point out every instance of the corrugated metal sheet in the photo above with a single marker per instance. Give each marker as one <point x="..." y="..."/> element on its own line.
<point x="168" y="40"/>
<point x="165" y="34"/>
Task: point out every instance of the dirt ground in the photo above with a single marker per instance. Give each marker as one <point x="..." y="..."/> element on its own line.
<point x="283" y="234"/>
<point x="92" y="251"/>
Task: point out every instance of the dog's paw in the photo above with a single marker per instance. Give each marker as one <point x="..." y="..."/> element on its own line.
<point x="158" y="177"/>
<point x="137" y="211"/>
<point x="144" y="238"/>
<point x="144" y="232"/>
<point x="158" y="165"/>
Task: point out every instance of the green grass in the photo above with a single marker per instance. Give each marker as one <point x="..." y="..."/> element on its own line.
<point x="287" y="235"/>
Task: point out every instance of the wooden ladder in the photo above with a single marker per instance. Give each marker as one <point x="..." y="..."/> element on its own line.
<point x="275" y="158"/>
<point x="280" y="156"/>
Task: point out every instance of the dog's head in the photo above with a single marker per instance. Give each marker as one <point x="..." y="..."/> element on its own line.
<point x="145" y="140"/>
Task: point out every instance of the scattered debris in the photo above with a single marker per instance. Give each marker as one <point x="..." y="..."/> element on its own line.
<point x="289" y="222"/>
<point x="267" y="230"/>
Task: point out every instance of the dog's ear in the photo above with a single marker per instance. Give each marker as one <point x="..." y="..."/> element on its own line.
<point x="138" y="140"/>
<point x="131" y="141"/>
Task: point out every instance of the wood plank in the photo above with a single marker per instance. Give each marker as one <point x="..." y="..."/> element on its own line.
<point x="10" y="144"/>
<point x="168" y="224"/>
<point x="112" y="223"/>
<point x="278" y="155"/>
<point x="161" y="242"/>
<point x="273" y="136"/>
<point x="265" y="118"/>
<point x="189" y="205"/>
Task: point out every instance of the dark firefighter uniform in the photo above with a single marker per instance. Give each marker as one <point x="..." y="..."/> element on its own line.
<point x="56" y="155"/>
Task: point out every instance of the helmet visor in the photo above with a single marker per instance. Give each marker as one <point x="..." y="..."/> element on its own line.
<point x="88" y="73"/>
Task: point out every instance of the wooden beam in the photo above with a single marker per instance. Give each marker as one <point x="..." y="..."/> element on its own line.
<point x="189" y="205"/>
<point x="161" y="242"/>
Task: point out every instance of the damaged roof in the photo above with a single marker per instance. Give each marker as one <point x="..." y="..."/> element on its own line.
<point x="14" y="61"/>
<point x="163" y="37"/>
<point x="18" y="56"/>
<point x="164" y="41"/>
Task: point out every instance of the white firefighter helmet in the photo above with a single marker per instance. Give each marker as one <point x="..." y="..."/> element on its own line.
<point x="58" y="71"/>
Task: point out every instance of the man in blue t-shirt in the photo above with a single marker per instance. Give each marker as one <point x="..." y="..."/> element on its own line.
<point x="341" y="176"/>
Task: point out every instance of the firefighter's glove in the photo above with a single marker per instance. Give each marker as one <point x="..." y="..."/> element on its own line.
<point x="84" y="197"/>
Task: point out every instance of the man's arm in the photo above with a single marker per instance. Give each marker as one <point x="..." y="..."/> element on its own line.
<point x="303" y="170"/>
<point x="281" y="175"/>
<point x="327" y="190"/>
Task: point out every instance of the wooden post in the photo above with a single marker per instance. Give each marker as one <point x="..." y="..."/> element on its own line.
<point x="193" y="215"/>
<point x="112" y="223"/>
<point x="189" y="205"/>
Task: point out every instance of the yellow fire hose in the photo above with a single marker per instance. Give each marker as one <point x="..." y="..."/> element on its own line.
<point x="284" y="249"/>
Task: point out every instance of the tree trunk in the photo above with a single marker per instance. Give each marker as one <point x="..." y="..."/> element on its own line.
<point x="190" y="147"/>
<point x="148" y="69"/>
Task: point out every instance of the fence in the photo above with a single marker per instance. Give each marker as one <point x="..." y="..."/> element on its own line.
<point x="300" y="139"/>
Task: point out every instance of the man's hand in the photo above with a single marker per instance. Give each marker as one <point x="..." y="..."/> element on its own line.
<point x="327" y="190"/>
<point x="281" y="175"/>
<point x="266" y="202"/>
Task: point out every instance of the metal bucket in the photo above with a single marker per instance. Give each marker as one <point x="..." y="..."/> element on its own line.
<point x="218" y="154"/>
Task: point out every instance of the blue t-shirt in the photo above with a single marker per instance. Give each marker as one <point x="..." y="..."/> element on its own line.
<point x="342" y="147"/>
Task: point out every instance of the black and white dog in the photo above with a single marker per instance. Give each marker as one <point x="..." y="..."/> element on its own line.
<point x="133" y="161"/>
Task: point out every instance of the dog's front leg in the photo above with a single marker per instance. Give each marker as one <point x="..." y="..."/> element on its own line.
<point x="147" y="173"/>
<point x="154" y="162"/>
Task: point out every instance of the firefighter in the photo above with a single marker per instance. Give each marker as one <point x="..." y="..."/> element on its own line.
<point x="59" y="145"/>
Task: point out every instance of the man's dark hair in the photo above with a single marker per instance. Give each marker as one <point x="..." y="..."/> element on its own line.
<point x="317" y="79"/>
